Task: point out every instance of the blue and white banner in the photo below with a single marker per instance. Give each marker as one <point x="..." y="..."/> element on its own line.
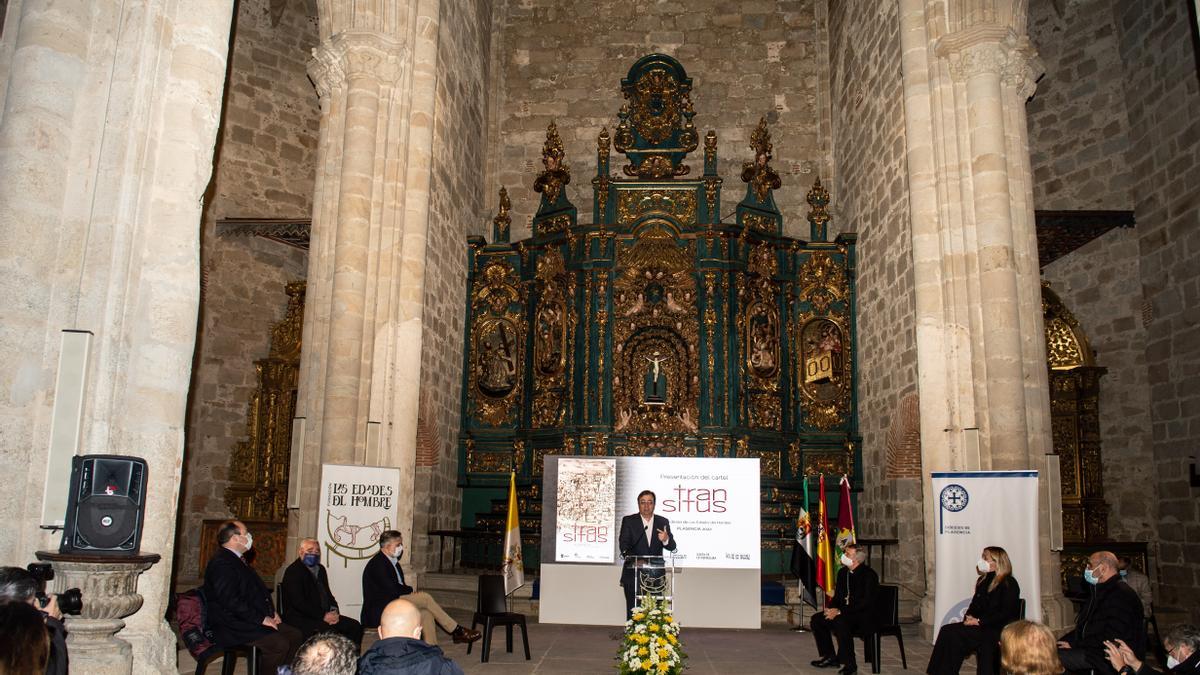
<point x="974" y="510"/>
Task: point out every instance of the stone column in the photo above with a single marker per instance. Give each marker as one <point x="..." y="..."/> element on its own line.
<point x="968" y="70"/>
<point x="106" y="146"/>
<point x="360" y="368"/>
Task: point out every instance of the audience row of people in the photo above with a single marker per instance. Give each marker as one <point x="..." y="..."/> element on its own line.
<point x="241" y="611"/>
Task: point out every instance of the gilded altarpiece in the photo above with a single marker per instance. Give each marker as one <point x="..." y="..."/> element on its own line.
<point x="1075" y="423"/>
<point x="659" y="328"/>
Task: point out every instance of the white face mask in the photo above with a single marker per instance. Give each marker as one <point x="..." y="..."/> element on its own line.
<point x="249" y="541"/>
<point x="983" y="566"/>
<point x="847" y="561"/>
<point x="1171" y="662"/>
<point x="399" y="550"/>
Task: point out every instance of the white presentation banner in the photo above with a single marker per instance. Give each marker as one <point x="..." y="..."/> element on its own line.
<point x="712" y="503"/>
<point x="357" y="504"/>
<point x="974" y="510"/>
<point x="586" y="498"/>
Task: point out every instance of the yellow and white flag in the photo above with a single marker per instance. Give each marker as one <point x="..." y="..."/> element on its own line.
<point x="514" y="563"/>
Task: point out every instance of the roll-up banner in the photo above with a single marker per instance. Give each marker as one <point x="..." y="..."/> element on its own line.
<point x="974" y="510"/>
<point x="357" y="504"/>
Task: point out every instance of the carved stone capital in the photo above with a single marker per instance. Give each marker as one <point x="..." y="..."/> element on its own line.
<point x="992" y="49"/>
<point x="352" y="55"/>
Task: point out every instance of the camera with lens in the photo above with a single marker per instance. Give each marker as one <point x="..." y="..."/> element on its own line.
<point x="70" y="601"/>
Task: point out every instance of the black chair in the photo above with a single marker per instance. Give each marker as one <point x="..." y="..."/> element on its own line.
<point x="491" y="611"/>
<point x="887" y="607"/>
<point x="230" y="654"/>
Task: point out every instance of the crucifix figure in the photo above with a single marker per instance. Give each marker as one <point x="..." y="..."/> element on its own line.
<point x="655" y="381"/>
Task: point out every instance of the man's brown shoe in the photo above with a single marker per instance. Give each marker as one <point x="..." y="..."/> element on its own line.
<point x="461" y="635"/>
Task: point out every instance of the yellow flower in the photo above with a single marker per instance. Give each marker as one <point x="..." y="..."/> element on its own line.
<point x="664" y="667"/>
<point x="668" y="620"/>
<point x="653" y="628"/>
<point x="660" y="641"/>
<point x="662" y="654"/>
<point x="643" y="651"/>
<point x="672" y="638"/>
<point x="639" y="616"/>
<point x="646" y="664"/>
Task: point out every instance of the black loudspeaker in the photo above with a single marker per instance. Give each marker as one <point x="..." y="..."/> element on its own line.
<point x="106" y="505"/>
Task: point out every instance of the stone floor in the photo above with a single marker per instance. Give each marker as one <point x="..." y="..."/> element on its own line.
<point x="579" y="650"/>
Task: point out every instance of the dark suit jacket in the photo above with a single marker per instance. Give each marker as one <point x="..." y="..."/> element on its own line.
<point x="301" y="593"/>
<point x="380" y="586"/>
<point x="1113" y="611"/>
<point x="236" y="600"/>
<point x="998" y="608"/>
<point x="855" y="594"/>
<point x="632" y="541"/>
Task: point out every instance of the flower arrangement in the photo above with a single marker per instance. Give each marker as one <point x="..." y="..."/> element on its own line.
<point x="651" y="643"/>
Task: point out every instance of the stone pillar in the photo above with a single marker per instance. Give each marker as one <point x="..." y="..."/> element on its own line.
<point x="360" y="367"/>
<point x="968" y="70"/>
<point x="106" y="146"/>
<point x="109" y="587"/>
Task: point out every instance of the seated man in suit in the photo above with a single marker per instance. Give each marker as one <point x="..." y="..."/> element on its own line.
<point x="848" y="614"/>
<point x="383" y="582"/>
<point x="642" y="534"/>
<point x="307" y="602"/>
<point x="1111" y="612"/>
<point x="239" y="605"/>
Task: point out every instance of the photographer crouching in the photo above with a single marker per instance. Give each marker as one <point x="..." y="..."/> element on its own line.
<point x="29" y="586"/>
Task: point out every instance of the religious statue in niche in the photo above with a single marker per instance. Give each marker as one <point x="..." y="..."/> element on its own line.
<point x="550" y="338"/>
<point x="762" y="344"/>
<point x="497" y="362"/>
<point x="654" y="389"/>
<point x="823" y="360"/>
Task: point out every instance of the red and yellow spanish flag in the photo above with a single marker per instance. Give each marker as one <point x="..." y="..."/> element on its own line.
<point x="825" y="570"/>
<point x="514" y="562"/>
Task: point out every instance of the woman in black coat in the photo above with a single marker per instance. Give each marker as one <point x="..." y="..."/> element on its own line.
<point x="996" y="602"/>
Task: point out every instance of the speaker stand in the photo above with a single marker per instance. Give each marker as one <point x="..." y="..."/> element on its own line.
<point x="109" y="585"/>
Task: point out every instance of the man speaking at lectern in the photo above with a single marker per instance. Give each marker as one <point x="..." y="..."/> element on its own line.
<point x="642" y="534"/>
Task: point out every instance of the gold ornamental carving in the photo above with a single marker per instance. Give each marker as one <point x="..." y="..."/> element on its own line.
<point x="258" y="465"/>
<point x="553" y="327"/>
<point x="635" y="204"/>
<point x="758" y="173"/>
<point x="503" y="221"/>
<point x="823" y="281"/>
<point x="556" y="224"/>
<point x="828" y="463"/>
<point x="655" y="336"/>
<point x="497" y="344"/>
<point x="1066" y="344"/>
<point x="657" y="105"/>
<point x="759" y="222"/>
<point x="826" y="365"/>
<point x="555" y="175"/>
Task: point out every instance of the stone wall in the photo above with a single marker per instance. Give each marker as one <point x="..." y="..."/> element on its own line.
<point x="872" y="198"/>
<point x="1163" y="100"/>
<point x="564" y="60"/>
<point x="458" y="206"/>
<point x="1099" y="284"/>
<point x="265" y="166"/>
<point x="1078" y="127"/>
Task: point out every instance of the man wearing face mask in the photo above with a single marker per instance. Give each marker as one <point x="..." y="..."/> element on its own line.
<point x="239" y="605"/>
<point x="1112" y="612"/>
<point x="1181" y="643"/>
<point x="848" y="613"/>
<point x="308" y="604"/>
<point x="383" y="581"/>
<point x="1139" y="582"/>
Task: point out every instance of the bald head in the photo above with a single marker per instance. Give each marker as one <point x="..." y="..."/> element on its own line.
<point x="1103" y="565"/>
<point x="400" y="618"/>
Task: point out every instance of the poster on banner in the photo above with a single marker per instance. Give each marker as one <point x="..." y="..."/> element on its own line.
<point x="587" y="498"/>
<point x="712" y="504"/>
<point x="358" y="503"/>
<point x="974" y="510"/>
